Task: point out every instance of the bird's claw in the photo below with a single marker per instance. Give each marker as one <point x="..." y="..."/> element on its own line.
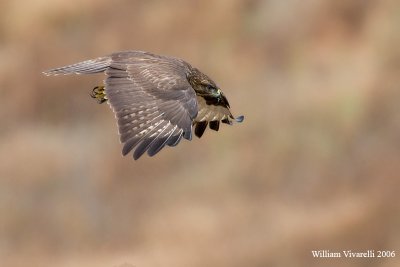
<point x="99" y="93"/>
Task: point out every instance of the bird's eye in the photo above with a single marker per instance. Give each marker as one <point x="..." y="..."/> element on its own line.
<point x="211" y="88"/>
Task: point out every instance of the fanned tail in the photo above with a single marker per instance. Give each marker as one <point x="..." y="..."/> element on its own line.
<point x="85" y="67"/>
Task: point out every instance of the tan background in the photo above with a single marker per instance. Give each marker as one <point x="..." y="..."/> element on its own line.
<point x="315" y="165"/>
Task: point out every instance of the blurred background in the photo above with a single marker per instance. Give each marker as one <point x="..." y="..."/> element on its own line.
<point x="314" y="166"/>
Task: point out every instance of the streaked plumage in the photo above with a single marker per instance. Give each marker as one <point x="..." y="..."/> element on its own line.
<point x="157" y="100"/>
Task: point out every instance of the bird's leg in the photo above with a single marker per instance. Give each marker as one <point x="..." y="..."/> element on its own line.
<point x="99" y="93"/>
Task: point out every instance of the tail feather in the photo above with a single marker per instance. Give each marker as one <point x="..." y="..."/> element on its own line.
<point x="85" y="67"/>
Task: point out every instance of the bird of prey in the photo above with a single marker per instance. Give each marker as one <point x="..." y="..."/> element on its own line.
<point x="156" y="99"/>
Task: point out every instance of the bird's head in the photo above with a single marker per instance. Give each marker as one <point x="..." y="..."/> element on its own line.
<point x="206" y="88"/>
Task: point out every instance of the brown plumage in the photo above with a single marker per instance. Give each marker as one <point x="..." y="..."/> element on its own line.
<point x="157" y="100"/>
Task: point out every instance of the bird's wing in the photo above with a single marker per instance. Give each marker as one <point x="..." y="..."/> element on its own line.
<point x="210" y="112"/>
<point x="211" y="115"/>
<point x="152" y="100"/>
<point x="91" y="66"/>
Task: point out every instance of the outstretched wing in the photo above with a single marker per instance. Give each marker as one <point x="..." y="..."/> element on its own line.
<point x="152" y="100"/>
<point x="212" y="114"/>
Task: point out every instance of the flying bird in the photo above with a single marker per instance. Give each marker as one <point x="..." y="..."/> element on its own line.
<point x="156" y="99"/>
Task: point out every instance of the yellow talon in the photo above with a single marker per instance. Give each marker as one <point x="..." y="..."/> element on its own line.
<point x="99" y="93"/>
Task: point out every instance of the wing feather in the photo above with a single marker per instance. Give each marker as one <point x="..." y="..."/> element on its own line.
<point x="201" y="126"/>
<point x="152" y="100"/>
<point x="175" y="138"/>
<point x="212" y="115"/>
<point x="160" y="142"/>
<point x="85" y="67"/>
<point x="150" y="138"/>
